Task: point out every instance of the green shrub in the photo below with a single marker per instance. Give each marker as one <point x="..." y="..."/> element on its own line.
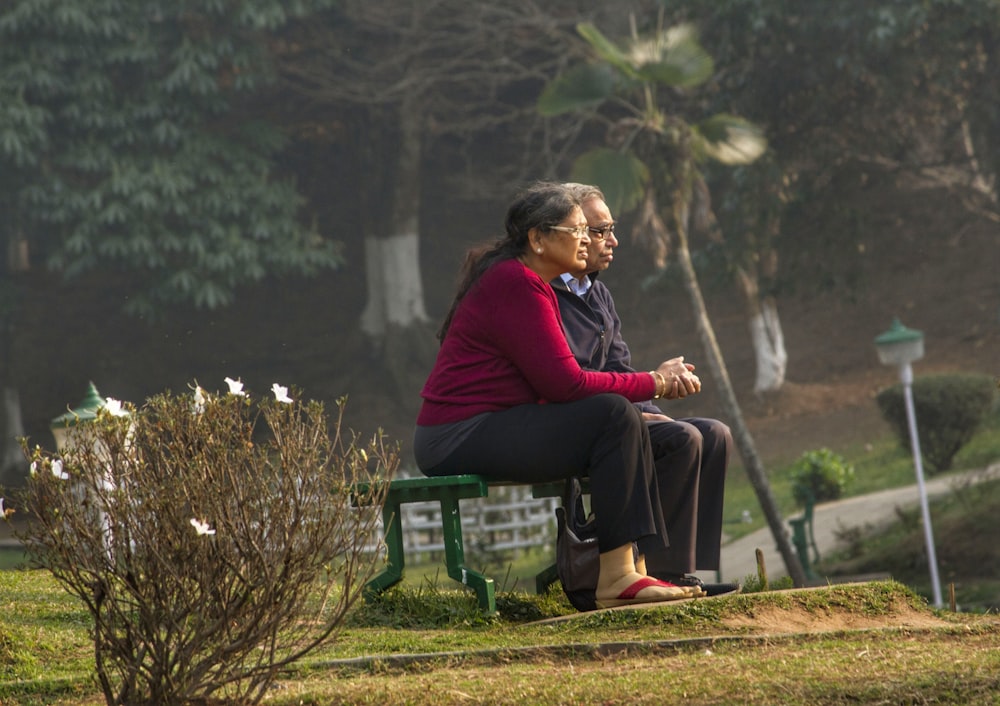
<point x="821" y="474"/>
<point x="949" y="409"/>
<point x="212" y="540"/>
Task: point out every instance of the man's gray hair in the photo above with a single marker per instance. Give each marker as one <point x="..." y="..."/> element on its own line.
<point x="584" y="192"/>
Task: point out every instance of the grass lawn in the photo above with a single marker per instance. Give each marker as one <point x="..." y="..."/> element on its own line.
<point x="874" y="642"/>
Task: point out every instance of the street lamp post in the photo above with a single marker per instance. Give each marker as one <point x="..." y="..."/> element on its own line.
<point x="900" y="346"/>
<point x="68" y="440"/>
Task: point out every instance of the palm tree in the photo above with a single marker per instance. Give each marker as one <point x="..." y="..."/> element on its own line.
<point x="653" y="164"/>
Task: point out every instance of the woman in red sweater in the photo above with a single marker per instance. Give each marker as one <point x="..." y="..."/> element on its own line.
<point x="507" y="399"/>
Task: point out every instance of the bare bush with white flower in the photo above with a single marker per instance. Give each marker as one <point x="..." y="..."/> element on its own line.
<point x="214" y="540"/>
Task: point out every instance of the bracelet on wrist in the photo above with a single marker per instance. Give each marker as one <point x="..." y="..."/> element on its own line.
<point x="661" y="384"/>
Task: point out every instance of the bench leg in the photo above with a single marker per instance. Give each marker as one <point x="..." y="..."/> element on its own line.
<point x="546" y="578"/>
<point x="393" y="571"/>
<point x="454" y="554"/>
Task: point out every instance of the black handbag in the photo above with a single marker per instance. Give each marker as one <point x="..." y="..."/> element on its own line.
<point x="577" y="555"/>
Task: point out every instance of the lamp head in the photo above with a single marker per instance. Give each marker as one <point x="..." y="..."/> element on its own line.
<point x="84" y="412"/>
<point x="899" y="345"/>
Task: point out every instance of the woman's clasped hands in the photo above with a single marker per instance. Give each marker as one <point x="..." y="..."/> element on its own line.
<point x="680" y="377"/>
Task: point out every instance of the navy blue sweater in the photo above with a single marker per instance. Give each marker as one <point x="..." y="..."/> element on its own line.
<point x="594" y="331"/>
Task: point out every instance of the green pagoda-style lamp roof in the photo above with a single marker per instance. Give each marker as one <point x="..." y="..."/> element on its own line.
<point x="899" y="345"/>
<point x="84" y="412"/>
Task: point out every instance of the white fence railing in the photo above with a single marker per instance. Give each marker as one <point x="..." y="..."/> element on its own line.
<point x="509" y="519"/>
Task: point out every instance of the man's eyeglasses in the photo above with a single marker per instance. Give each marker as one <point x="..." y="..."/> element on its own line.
<point x="603" y="232"/>
<point x="578" y="233"/>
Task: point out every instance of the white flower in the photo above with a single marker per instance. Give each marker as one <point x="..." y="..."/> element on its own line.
<point x="235" y="387"/>
<point x="57" y="470"/>
<point x="201" y="527"/>
<point x="114" y="407"/>
<point x="34" y="467"/>
<point x="200" y="399"/>
<point x="281" y="393"/>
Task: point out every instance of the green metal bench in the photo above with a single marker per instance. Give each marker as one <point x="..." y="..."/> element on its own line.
<point x="447" y="491"/>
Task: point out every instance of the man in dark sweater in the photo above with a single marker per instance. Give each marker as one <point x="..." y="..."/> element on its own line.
<point x="691" y="454"/>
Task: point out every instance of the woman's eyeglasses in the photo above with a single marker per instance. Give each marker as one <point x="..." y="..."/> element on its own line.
<point x="578" y="233"/>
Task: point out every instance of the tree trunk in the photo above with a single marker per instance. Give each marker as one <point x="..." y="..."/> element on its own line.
<point x="395" y="316"/>
<point x="395" y="289"/>
<point x="769" y="346"/>
<point x="13" y="467"/>
<point x="982" y="181"/>
<point x="12" y="464"/>
<point x="741" y="435"/>
<point x="765" y="335"/>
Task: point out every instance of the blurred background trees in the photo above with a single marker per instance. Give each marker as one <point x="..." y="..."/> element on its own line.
<point x="851" y="92"/>
<point x="174" y="156"/>
<point x="127" y="146"/>
<point x="403" y="80"/>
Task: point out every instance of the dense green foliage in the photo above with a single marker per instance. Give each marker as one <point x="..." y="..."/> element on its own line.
<point x="129" y="141"/>
<point x="948" y="408"/>
<point x="821" y="475"/>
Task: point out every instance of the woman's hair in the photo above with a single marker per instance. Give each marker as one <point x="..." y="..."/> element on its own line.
<point x="541" y="205"/>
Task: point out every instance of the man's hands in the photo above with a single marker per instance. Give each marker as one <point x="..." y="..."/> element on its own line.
<point x="680" y="377"/>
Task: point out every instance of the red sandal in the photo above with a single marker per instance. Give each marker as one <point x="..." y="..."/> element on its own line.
<point x="628" y="596"/>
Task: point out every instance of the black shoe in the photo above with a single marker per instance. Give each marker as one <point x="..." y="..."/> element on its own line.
<point x="710" y="589"/>
<point x="721" y="589"/>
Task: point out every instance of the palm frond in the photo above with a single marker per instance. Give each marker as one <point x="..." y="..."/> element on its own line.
<point x="606" y="49"/>
<point x="583" y="86"/>
<point x="673" y="57"/>
<point x="729" y="139"/>
<point x="622" y="176"/>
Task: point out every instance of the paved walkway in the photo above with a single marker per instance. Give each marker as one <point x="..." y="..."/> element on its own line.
<point x="739" y="557"/>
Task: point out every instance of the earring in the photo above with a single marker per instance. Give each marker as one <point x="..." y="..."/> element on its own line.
<point x="539" y="251"/>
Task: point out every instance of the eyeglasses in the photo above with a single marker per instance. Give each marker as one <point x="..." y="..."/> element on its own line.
<point x="603" y="232"/>
<point x="578" y="233"/>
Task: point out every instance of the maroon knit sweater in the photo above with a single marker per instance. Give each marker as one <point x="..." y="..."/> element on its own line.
<point x="505" y="347"/>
